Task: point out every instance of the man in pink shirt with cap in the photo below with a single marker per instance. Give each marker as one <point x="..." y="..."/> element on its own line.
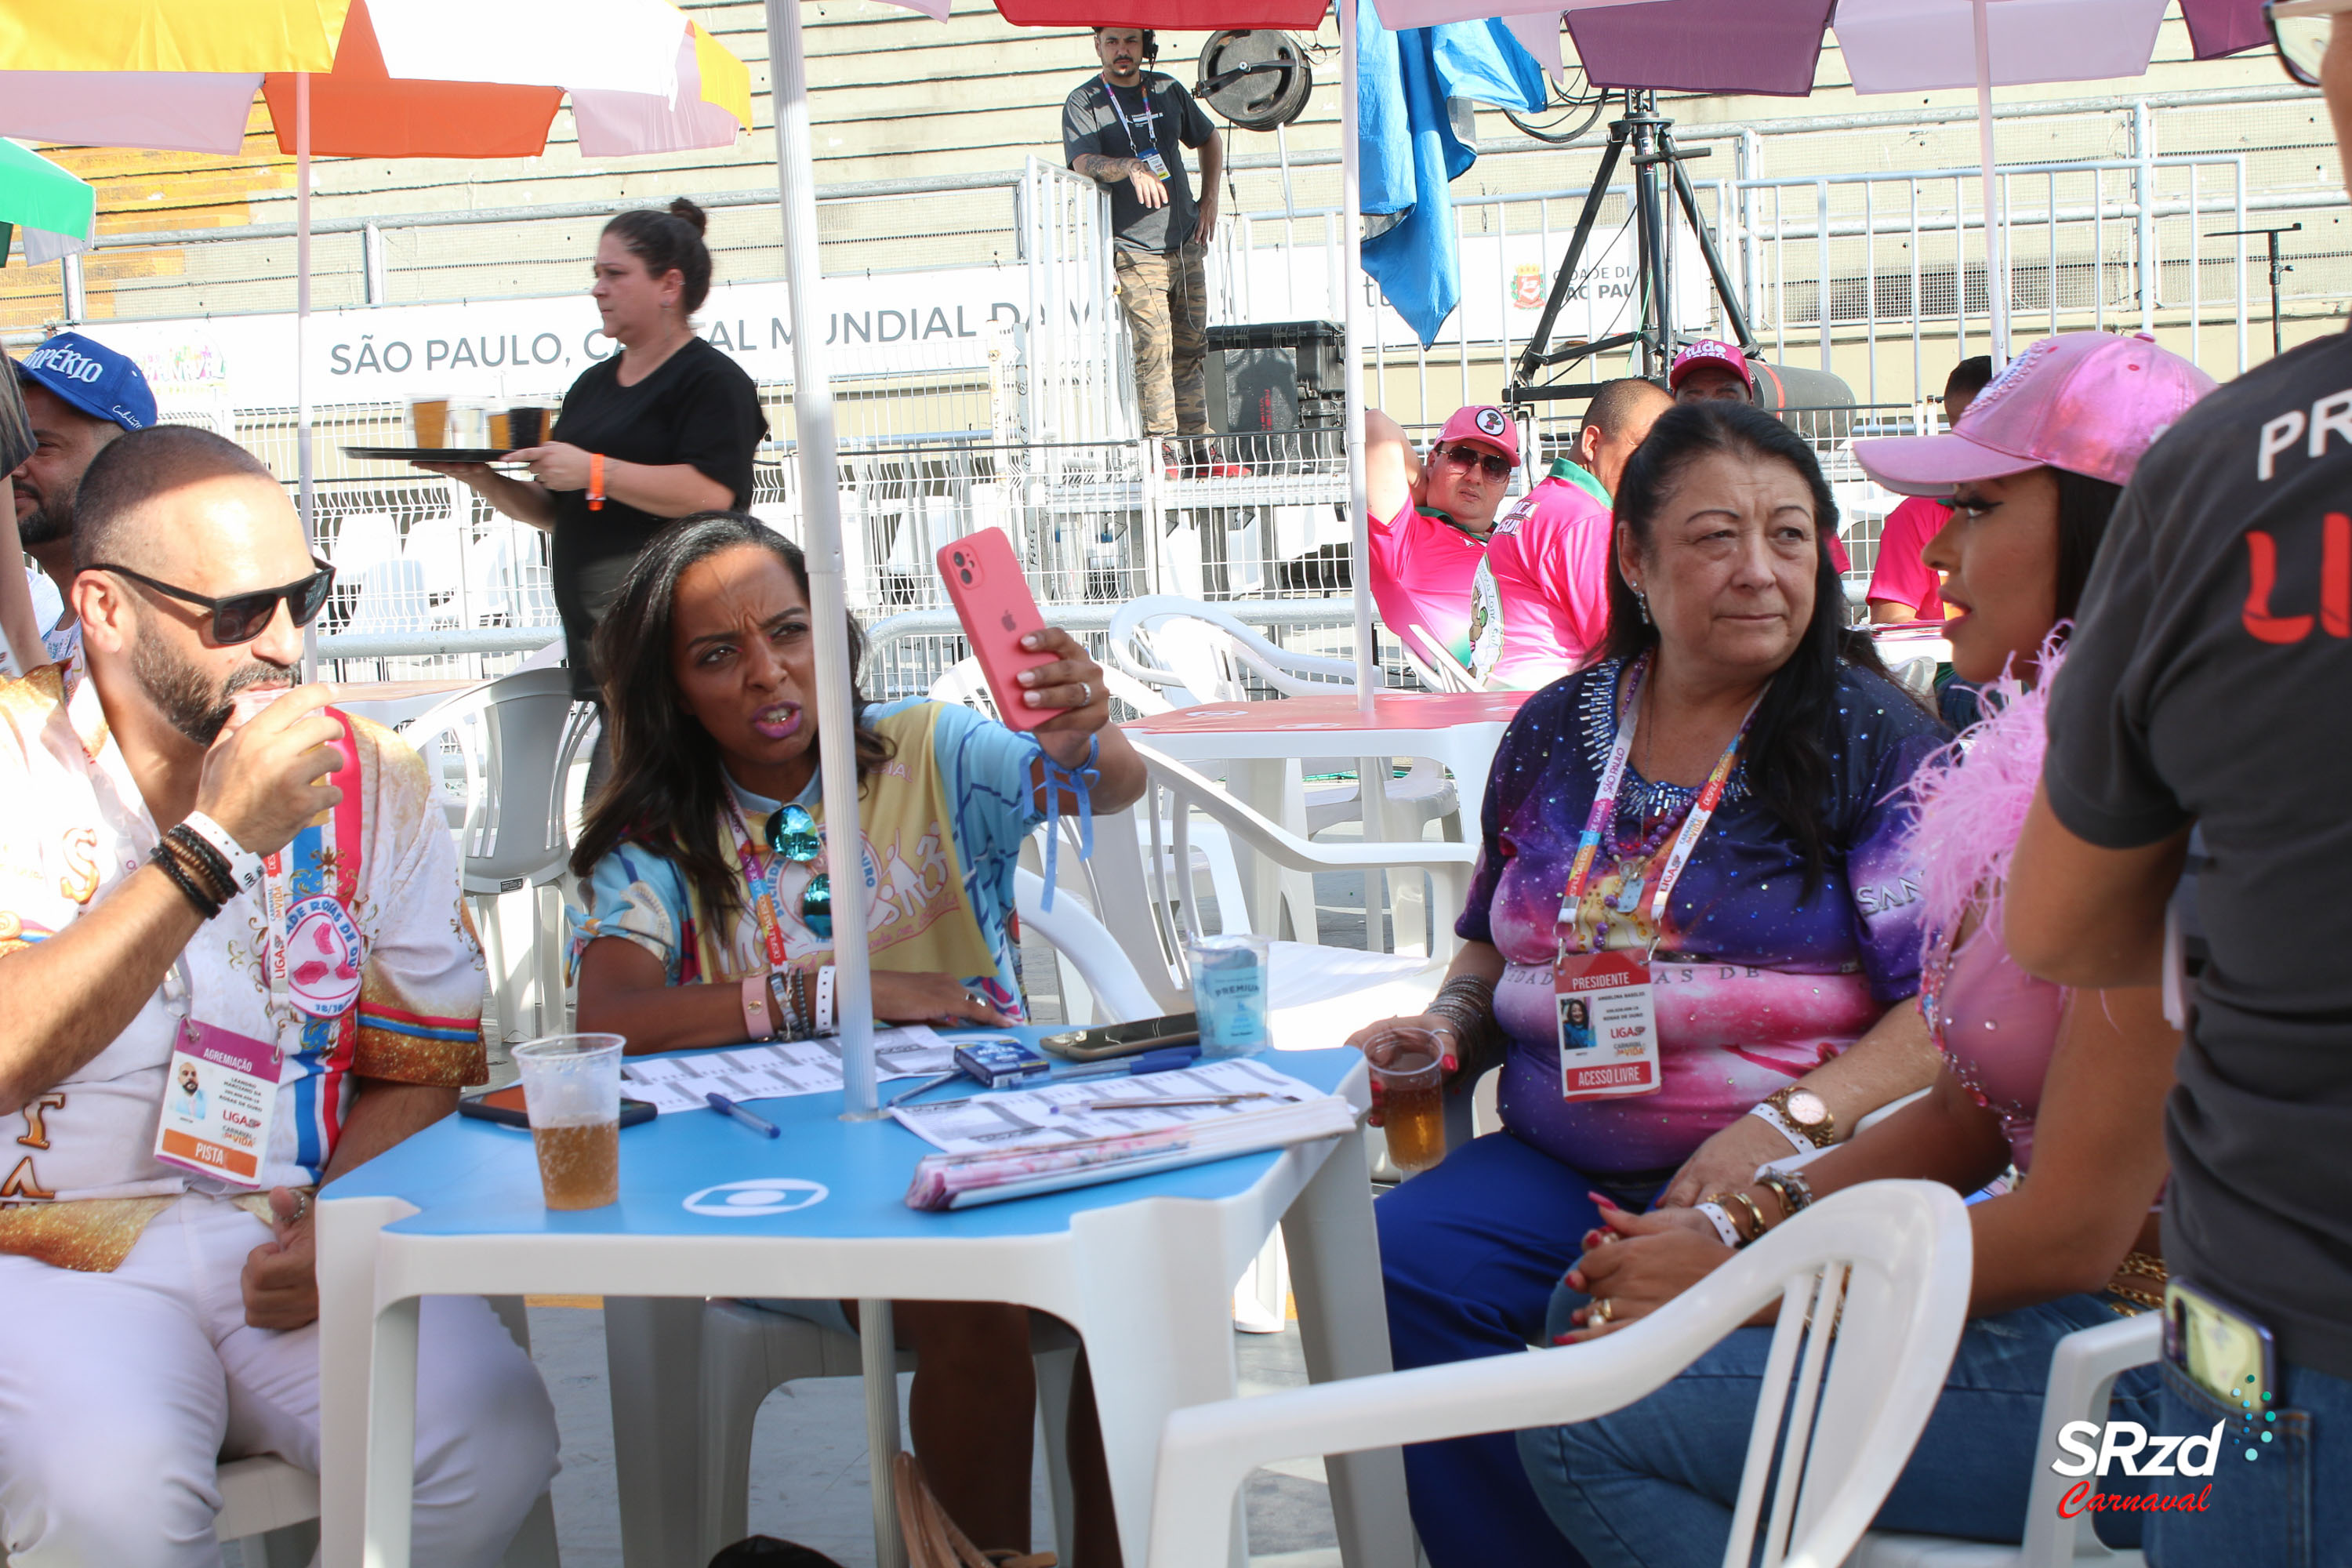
<point x="1548" y="563"/>
<point x="1429" y="523"/>
<point x="1711" y="368"/>
<point x="1903" y="586"/>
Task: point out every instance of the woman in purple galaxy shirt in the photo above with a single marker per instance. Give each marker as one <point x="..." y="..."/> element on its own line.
<point x="1754" y="749"/>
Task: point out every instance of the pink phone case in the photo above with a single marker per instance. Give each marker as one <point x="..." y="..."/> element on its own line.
<point x="992" y="600"/>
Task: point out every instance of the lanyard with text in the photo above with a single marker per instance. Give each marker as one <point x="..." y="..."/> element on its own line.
<point x="763" y="893"/>
<point x="220" y="1095"/>
<point x="1149" y="156"/>
<point x="1608" y="1013"/>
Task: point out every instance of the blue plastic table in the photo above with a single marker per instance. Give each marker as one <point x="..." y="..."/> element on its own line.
<point x="1143" y="1269"/>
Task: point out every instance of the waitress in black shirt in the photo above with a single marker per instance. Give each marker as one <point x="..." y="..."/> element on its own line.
<point x="666" y="426"/>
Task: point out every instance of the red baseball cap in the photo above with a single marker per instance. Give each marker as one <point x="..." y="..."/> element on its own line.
<point x="1705" y="352"/>
<point x="2090" y="402"/>
<point x="1486" y="425"/>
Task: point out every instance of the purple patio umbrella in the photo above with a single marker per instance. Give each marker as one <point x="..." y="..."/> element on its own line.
<point x="1771" y="46"/>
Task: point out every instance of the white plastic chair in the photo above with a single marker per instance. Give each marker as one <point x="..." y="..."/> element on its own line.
<point x="1438" y="668"/>
<point x="1887" y="1263"/>
<point x="393" y="600"/>
<point x="2083" y="1375"/>
<point x="1203" y="648"/>
<point x="1326" y="989"/>
<point x="516" y="738"/>
<point x="1085" y="947"/>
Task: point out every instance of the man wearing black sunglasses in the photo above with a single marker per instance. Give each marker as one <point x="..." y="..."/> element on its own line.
<point x="1429" y="523"/>
<point x="181" y="890"/>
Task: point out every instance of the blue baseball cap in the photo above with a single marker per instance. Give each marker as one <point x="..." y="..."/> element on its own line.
<point x="101" y="381"/>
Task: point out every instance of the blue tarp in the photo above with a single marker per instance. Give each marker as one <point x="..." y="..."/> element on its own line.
<point x="1410" y="152"/>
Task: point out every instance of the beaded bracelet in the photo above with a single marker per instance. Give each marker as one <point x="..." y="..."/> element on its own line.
<point x="162" y="856"/>
<point x="1787" y="1187"/>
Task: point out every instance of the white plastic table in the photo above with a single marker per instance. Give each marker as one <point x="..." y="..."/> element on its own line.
<point x="1142" y="1269"/>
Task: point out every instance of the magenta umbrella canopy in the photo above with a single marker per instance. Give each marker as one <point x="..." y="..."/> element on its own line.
<point x="1771" y="46"/>
<point x="1702" y="46"/>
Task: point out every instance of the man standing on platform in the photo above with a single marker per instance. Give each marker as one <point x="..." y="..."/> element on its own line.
<point x="1548" y="563"/>
<point x="81" y="396"/>
<point x="1126" y="127"/>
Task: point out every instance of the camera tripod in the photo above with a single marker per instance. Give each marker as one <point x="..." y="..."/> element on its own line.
<point x="1650" y="136"/>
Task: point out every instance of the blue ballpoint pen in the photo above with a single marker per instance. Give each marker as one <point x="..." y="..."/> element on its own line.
<point x="1167" y="1059"/>
<point x="759" y="1124"/>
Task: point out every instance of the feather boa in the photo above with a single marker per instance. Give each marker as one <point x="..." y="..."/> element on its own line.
<point x="1969" y="800"/>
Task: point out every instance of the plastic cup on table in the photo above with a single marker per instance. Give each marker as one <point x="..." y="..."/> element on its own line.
<point x="1408" y="1065"/>
<point x="1231" y="985"/>
<point x="572" y="1092"/>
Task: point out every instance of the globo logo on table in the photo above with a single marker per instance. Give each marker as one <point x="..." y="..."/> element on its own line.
<point x="758" y="1199"/>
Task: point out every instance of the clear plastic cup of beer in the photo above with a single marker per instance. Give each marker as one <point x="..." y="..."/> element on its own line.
<point x="572" y="1092"/>
<point x="1408" y="1065"/>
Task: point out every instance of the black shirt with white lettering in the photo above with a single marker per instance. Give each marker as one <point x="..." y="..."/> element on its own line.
<point x="1161" y="114"/>
<point x="2211" y="681"/>
<point x="698" y="408"/>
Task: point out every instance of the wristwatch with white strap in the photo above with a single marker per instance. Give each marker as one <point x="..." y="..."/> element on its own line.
<point x="1802" y="1117"/>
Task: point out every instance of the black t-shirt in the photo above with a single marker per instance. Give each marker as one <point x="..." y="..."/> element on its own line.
<point x="2211" y="680"/>
<point x="696" y="407"/>
<point x="1159" y="114"/>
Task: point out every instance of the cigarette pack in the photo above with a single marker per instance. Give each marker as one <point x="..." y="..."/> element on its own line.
<point x="998" y="1062"/>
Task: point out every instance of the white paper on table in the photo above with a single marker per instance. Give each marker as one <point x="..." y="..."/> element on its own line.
<point x="778" y="1068"/>
<point x="1042" y="1116"/>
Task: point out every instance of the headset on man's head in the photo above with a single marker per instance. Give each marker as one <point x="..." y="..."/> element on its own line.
<point x="1150" y="46"/>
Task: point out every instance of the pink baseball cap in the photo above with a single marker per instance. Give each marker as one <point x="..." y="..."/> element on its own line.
<point x="2090" y="402"/>
<point x="1709" y="351"/>
<point x="1488" y="425"/>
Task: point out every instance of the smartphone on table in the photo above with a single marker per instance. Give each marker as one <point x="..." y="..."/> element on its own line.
<point x="992" y="600"/>
<point x="1106" y="1042"/>
<point x="505" y="1107"/>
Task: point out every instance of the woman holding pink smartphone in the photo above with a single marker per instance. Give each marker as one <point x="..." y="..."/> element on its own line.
<point x="709" y="916"/>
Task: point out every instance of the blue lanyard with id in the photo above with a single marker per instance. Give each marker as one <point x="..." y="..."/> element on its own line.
<point x="1147" y="156"/>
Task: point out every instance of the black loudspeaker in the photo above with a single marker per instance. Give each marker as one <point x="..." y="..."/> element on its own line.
<point x="1278" y="384"/>
<point x="1257" y="80"/>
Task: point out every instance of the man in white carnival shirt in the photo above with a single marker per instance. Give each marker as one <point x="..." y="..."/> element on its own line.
<point x="156" y="1266"/>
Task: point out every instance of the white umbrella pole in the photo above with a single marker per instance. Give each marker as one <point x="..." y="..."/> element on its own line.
<point x="302" y="340"/>
<point x="820" y="537"/>
<point x="1351" y="374"/>
<point x="836" y="740"/>
<point x="1996" y="243"/>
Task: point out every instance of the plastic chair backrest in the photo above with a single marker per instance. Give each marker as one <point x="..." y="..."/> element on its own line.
<point x="1118" y="989"/>
<point x="1872" y="1283"/>
<point x="392" y="599"/>
<point x="517" y="737"/>
<point x="964" y="684"/>
<point x="1210" y="643"/>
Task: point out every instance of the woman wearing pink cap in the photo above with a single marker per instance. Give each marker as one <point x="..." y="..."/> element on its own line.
<point x="2034" y="471"/>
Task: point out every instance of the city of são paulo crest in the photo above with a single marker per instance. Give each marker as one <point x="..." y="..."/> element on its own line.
<point x="322" y="957"/>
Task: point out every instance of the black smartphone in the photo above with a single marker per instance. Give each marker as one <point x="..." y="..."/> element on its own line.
<point x="505" y="1107"/>
<point x="1105" y="1042"/>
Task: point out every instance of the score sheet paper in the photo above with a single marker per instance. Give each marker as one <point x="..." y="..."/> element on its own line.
<point x="778" y="1068"/>
<point x="1044" y="1115"/>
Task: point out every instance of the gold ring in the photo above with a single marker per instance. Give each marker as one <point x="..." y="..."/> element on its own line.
<point x="1602" y="1311"/>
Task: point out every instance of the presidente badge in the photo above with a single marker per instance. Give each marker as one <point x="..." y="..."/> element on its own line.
<point x="322" y="957"/>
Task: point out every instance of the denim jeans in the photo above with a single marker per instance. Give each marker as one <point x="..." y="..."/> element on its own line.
<point x="1470" y="1253"/>
<point x="2289" y="1505"/>
<point x="1653" y="1484"/>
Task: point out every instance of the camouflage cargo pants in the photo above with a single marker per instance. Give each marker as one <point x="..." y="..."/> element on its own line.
<point x="1165" y="299"/>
